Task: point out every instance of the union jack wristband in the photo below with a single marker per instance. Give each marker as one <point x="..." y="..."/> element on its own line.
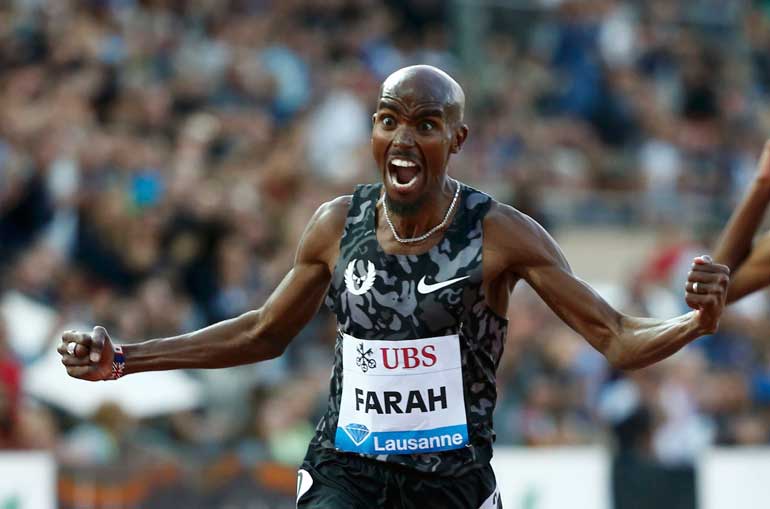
<point x="118" y="363"/>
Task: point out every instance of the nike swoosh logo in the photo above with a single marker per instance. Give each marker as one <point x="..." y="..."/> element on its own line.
<point x="424" y="287"/>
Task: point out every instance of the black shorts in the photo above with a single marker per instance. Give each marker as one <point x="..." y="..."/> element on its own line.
<point x="346" y="481"/>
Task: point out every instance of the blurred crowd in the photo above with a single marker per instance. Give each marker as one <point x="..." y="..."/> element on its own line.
<point x="159" y="160"/>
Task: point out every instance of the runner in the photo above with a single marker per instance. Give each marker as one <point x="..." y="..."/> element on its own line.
<point x="418" y="269"/>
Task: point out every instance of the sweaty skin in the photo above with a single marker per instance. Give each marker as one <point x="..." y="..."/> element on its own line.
<point x="419" y="123"/>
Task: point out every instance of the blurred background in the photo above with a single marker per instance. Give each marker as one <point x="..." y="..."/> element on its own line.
<point x="159" y="160"/>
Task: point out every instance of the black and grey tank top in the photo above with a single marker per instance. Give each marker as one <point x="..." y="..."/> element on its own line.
<point x="417" y="347"/>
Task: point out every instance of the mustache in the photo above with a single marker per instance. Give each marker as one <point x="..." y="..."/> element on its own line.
<point x="411" y="156"/>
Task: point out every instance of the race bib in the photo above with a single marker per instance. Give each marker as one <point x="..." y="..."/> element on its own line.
<point x="401" y="397"/>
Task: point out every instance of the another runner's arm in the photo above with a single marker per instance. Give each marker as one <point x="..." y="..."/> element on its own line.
<point x="751" y="267"/>
<point x="753" y="273"/>
<point x="627" y="342"/>
<point x="251" y="337"/>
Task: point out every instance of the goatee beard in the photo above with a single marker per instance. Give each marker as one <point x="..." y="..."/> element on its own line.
<point x="404" y="208"/>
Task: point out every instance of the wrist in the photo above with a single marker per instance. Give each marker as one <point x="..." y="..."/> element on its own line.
<point x="118" y="363"/>
<point x="703" y="324"/>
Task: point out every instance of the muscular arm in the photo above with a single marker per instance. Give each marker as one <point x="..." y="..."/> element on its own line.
<point x="253" y="336"/>
<point x="735" y="244"/>
<point x="529" y="253"/>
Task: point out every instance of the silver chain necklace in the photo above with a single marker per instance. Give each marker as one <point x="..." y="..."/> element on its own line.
<point x="430" y="232"/>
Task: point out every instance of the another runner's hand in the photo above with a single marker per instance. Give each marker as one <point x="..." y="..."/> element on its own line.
<point x="706" y="291"/>
<point x="90" y="357"/>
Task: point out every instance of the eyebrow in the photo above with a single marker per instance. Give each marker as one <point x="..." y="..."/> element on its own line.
<point x="384" y="103"/>
<point x="427" y="111"/>
<point x="433" y="112"/>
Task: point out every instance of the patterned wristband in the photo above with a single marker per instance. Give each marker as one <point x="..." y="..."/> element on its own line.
<point x="118" y="363"/>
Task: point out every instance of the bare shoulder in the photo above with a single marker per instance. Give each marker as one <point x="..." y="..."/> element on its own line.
<point x="517" y="241"/>
<point x="331" y="215"/>
<point x="320" y="241"/>
<point x="508" y="228"/>
<point x="503" y="218"/>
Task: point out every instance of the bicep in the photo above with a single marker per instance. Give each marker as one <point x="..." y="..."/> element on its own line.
<point x="301" y="292"/>
<point x="573" y="300"/>
<point x="296" y="300"/>
<point x="576" y="303"/>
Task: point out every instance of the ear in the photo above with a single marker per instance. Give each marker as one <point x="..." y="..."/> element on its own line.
<point x="374" y="118"/>
<point x="460" y="135"/>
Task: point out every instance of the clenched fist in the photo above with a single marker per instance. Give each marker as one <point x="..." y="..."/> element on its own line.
<point x="87" y="356"/>
<point x="706" y="291"/>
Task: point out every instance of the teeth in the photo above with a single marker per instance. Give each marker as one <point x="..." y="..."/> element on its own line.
<point x="403" y="163"/>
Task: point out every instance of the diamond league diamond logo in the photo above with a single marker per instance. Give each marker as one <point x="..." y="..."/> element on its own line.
<point x="358" y="433"/>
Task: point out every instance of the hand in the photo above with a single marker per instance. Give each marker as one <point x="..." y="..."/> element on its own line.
<point x="763" y="167"/>
<point x="706" y="291"/>
<point x="91" y="358"/>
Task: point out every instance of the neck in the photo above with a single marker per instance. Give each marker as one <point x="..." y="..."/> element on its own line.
<point x="415" y="219"/>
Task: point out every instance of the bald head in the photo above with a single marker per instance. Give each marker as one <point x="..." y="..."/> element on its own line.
<point x="425" y="84"/>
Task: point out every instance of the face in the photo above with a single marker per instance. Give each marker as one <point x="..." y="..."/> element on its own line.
<point x="416" y="129"/>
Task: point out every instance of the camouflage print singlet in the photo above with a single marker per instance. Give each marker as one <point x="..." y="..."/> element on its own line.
<point x="417" y="347"/>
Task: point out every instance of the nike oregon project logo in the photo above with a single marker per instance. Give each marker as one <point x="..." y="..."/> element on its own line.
<point x="424" y="287"/>
<point x="359" y="285"/>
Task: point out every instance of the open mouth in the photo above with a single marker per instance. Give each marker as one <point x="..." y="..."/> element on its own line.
<point x="403" y="173"/>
